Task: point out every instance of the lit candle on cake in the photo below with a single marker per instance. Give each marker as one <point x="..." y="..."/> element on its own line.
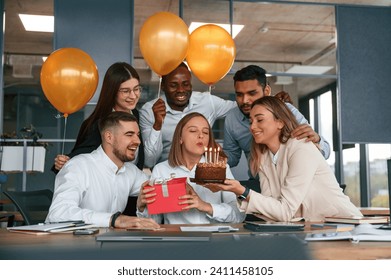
<point x="206" y="154"/>
<point x="210" y="154"/>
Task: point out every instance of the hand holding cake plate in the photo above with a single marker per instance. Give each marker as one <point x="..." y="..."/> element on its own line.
<point x="206" y="181"/>
<point x="230" y="185"/>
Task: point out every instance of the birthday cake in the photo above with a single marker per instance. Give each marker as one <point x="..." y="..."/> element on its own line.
<point x="210" y="171"/>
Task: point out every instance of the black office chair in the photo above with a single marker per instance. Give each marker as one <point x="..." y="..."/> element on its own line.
<point x="32" y="205"/>
<point x="7" y="217"/>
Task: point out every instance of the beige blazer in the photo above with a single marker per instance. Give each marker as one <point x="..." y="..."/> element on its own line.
<point x="301" y="184"/>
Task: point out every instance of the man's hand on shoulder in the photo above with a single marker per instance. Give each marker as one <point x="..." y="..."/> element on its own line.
<point x="284" y="96"/>
<point x="305" y="131"/>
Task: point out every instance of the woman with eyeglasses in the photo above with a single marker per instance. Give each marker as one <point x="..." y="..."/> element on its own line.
<point x="120" y="92"/>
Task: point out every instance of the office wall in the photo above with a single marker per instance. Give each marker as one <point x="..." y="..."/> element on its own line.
<point x="1" y="66"/>
<point x="364" y="62"/>
<point x="101" y="28"/>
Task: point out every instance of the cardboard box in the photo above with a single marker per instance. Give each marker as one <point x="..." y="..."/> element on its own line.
<point x="12" y="158"/>
<point x="167" y="194"/>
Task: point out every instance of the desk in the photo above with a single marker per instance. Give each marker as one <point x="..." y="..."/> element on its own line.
<point x="346" y="250"/>
<point x="68" y="246"/>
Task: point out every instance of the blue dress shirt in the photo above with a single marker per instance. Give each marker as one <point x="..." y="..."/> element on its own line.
<point x="237" y="135"/>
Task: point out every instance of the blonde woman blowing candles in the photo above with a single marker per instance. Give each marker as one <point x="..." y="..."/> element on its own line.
<point x="192" y="134"/>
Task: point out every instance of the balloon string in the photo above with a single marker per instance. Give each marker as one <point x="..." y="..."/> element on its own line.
<point x="65" y="131"/>
<point x="160" y="84"/>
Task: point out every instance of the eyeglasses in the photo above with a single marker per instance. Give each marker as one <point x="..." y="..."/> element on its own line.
<point x="126" y="91"/>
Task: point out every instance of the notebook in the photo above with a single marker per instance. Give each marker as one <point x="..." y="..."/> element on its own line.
<point x="153" y="236"/>
<point x="358" y="220"/>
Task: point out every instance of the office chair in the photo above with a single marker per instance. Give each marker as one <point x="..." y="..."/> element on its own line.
<point x="7" y="217"/>
<point x="32" y="205"/>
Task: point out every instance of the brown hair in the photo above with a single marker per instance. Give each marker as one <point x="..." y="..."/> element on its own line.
<point x="280" y="112"/>
<point x="112" y="120"/>
<point x="116" y="74"/>
<point x="175" y="157"/>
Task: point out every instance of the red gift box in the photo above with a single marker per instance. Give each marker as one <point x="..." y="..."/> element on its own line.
<point x="167" y="196"/>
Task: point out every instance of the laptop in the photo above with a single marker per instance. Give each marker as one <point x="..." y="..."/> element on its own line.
<point x="272" y="226"/>
<point x="153" y="236"/>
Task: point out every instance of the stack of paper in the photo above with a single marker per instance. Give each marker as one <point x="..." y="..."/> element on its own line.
<point x="358" y="220"/>
<point x="51" y="227"/>
<point x="363" y="232"/>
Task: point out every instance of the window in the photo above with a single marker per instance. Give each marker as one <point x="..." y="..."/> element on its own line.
<point x="378" y="174"/>
<point x="325" y="128"/>
<point x="321" y="119"/>
<point x="351" y="169"/>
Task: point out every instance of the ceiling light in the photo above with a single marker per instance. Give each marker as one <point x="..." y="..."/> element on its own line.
<point x="236" y="28"/>
<point x="37" y="23"/>
<point x="309" y="69"/>
<point x="284" y="80"/>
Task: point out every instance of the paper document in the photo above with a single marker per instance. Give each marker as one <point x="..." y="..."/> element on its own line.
<point x="52" y="227"/>
<point x="363" y="232"/>
<point x="209" y="228"/>
<point x="42" y="227"/>
<point x="85" y="226"/>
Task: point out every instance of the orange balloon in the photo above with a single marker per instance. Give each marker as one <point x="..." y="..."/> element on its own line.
<point x="69" y="78"/>
<point x="211" y="53"/>
<point x="164" y="39"/>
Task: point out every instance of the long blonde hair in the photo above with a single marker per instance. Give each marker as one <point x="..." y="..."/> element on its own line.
<point x="280" y="112"/>
<point x="175" y="157"/>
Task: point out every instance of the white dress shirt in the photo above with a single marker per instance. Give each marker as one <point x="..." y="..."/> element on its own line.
<point x="157" y="144"/>
<point x="225" y="208"/>
<point x="90" y="187"/>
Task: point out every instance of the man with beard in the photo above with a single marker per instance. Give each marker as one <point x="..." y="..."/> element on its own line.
<point x="95" y="187"/>
<point x="251" y="84"/>
<point x="159" y="117"/>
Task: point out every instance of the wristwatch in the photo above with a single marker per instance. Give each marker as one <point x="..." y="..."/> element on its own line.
<point x="114" y="217"/>
<point x="244" y="195"/>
